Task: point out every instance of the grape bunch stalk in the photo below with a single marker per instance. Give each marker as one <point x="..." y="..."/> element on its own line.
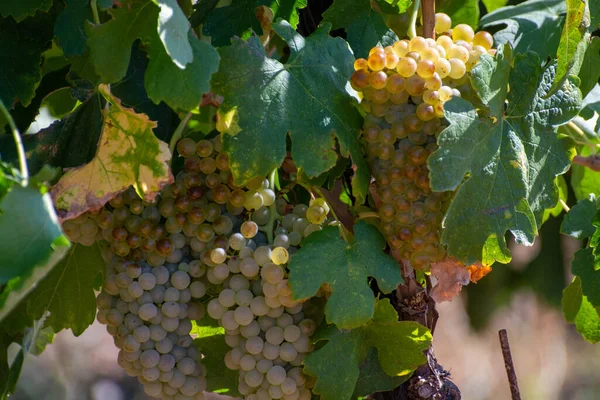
<point x="203" y="245"/>
<point x="404" y="88"/>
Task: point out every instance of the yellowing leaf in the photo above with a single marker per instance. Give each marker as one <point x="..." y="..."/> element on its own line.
<point x="451" y="277"/>
<point x="128" y="154"/>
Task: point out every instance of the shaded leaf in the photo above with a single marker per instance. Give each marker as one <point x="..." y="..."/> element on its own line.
<point x="513" y="156"/>
<point x="224" y="23"/>
<point x="337" y="364"/>
<point x="60" y="102"/>
<point x="578" y="221"/>
<point x="69" y="27"/>
<point x="364" y="26"/>
<point x="68" y="291"/>
<point x="583" y="266"/>
<point x="563" y="192"/>
<point x="22" y="46"/>
<point x="589" y="73"/>
<point x="201" y="10"/>
<point x="373" y="379"/>
<point x="526" y="24"/>
<point x="21" y="9"/>
<point x="110" y="43"/>
<point x="346" y="268"/>
<point x="128" y="154"/>
<point x="173" y="29"/>
<point x="306" y="98"/>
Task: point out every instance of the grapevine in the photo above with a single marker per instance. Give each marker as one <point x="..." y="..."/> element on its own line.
<point x="269" y="200"/>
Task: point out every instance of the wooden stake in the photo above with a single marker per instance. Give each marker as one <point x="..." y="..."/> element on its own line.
<point x="428" y="12"/>
<point x="508" y="364"/>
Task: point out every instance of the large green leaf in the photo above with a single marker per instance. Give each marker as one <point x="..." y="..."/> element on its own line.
<point x="21" y="9"/>
<point x="327" y="258"/>
<point x="492" y="5"/>
<point x="372" y="377"/>
<point x="173" y="29"/>
<point x="22" y="46"/>
<point x="461" y="11"/>
<point x="110" y="43"/>
<point x="526" y="24"/>
<point x="364" y="26"/>
<point x="306" y="98"/>
<point x="180" y="89"/>
<point x="574" y="41"/>
<point x="512" y="156"/>
<point x="579" y="311"/>
<point x="210" y="340"/>
<point x="239" y="17"/>
<point x="578" y="221"/>
<point x="69" y="27"/>
<point x="68" y="291"/>
<point x="584" y="266"/>
<point x="337" y="364"/>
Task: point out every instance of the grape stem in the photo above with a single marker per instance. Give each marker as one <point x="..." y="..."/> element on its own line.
<point x="428" y="13"/>
<point x="564" y="205"/>
<point x="344" y="232"/>
<point x="18" y="143"/>
<point x="367" y="214"/>
<point x="412" y="26"/>
<point x="178" y="133"/>
<point x="273" y="214"/>
<point x="94" y="6"/>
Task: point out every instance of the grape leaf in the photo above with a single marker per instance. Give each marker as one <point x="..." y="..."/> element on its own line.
<point x="337" y="364"/>
<point x="364" y="26"/>
<point x="128" y="154"/>
<point x="201" y="10"/>
<point x="373" y="379"/>
<point x="59" y="102"/>
<point x="594" y="14"/>
<point x="67" y="143"/>
<point x="563" y="191"/>
<point x="67" y="292"/>
<point x="589" y="72"/>
<point x="22" y="46"/>
<point x="492" y="5"/>
<point x="513" y="156"/>
<point x="69" y="27"/>
<point x="345" y="267"/>
<point x="223" y="23"/>
<point x="460" y="11"/>
<point x="21" y="9"/>
<point x="574" y="42"/>
<point x="182" y="89"/>
<point x="578" y="221"/>
<point x="173" y="29"/>
<point x="526" y="25"/>
<point x="584" y="181"/>
<point x="307" y="97"/>
<point x="210" y="341"/>
<point x="110" y="43"/>
<point x="579" y="311"/>
<point x="38" y="234"/>
<point x="584" y="266"/>
<point x="451" y="276"/>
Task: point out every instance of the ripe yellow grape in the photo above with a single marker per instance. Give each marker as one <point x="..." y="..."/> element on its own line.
<point x="406" y="67"/>
<point x="360" y="79"/>
<point x="395" y="83"/>
<point x="434" y="82"/>
<point x="399" y="98"/>
<point x="442" y="67"/>
<point x="483" y="39"/>
<point x="425" y="68"/>
<point x="425" y="112"/>
<point x="443" y="23"/>
<point x="445" y="41"/>
<point x="445" y="93"/>
<point x="415" y="85"/>
<point x="378" y="79"/>
<point x="376" y="49"/>
<point x="431" y="97"/>
<point x="463" y="32"/>
<point x="417" y="44"/>
<point x="401" y="48"/>
<point x="430" y="53"/>
<point x="361" y="63"/>
<point x="377" y="61"/>
<point x="458" y="68"/>
<point x="391" y="60"/>
<point x="459" y="52"/>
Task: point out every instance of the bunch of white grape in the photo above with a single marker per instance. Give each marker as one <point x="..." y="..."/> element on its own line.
<point x="404" y="89"/>
<point x="266" y="329"/>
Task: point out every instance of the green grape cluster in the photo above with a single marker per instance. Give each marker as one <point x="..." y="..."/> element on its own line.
<point x="203" y="241"/>
<point x="404" y="88"/>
